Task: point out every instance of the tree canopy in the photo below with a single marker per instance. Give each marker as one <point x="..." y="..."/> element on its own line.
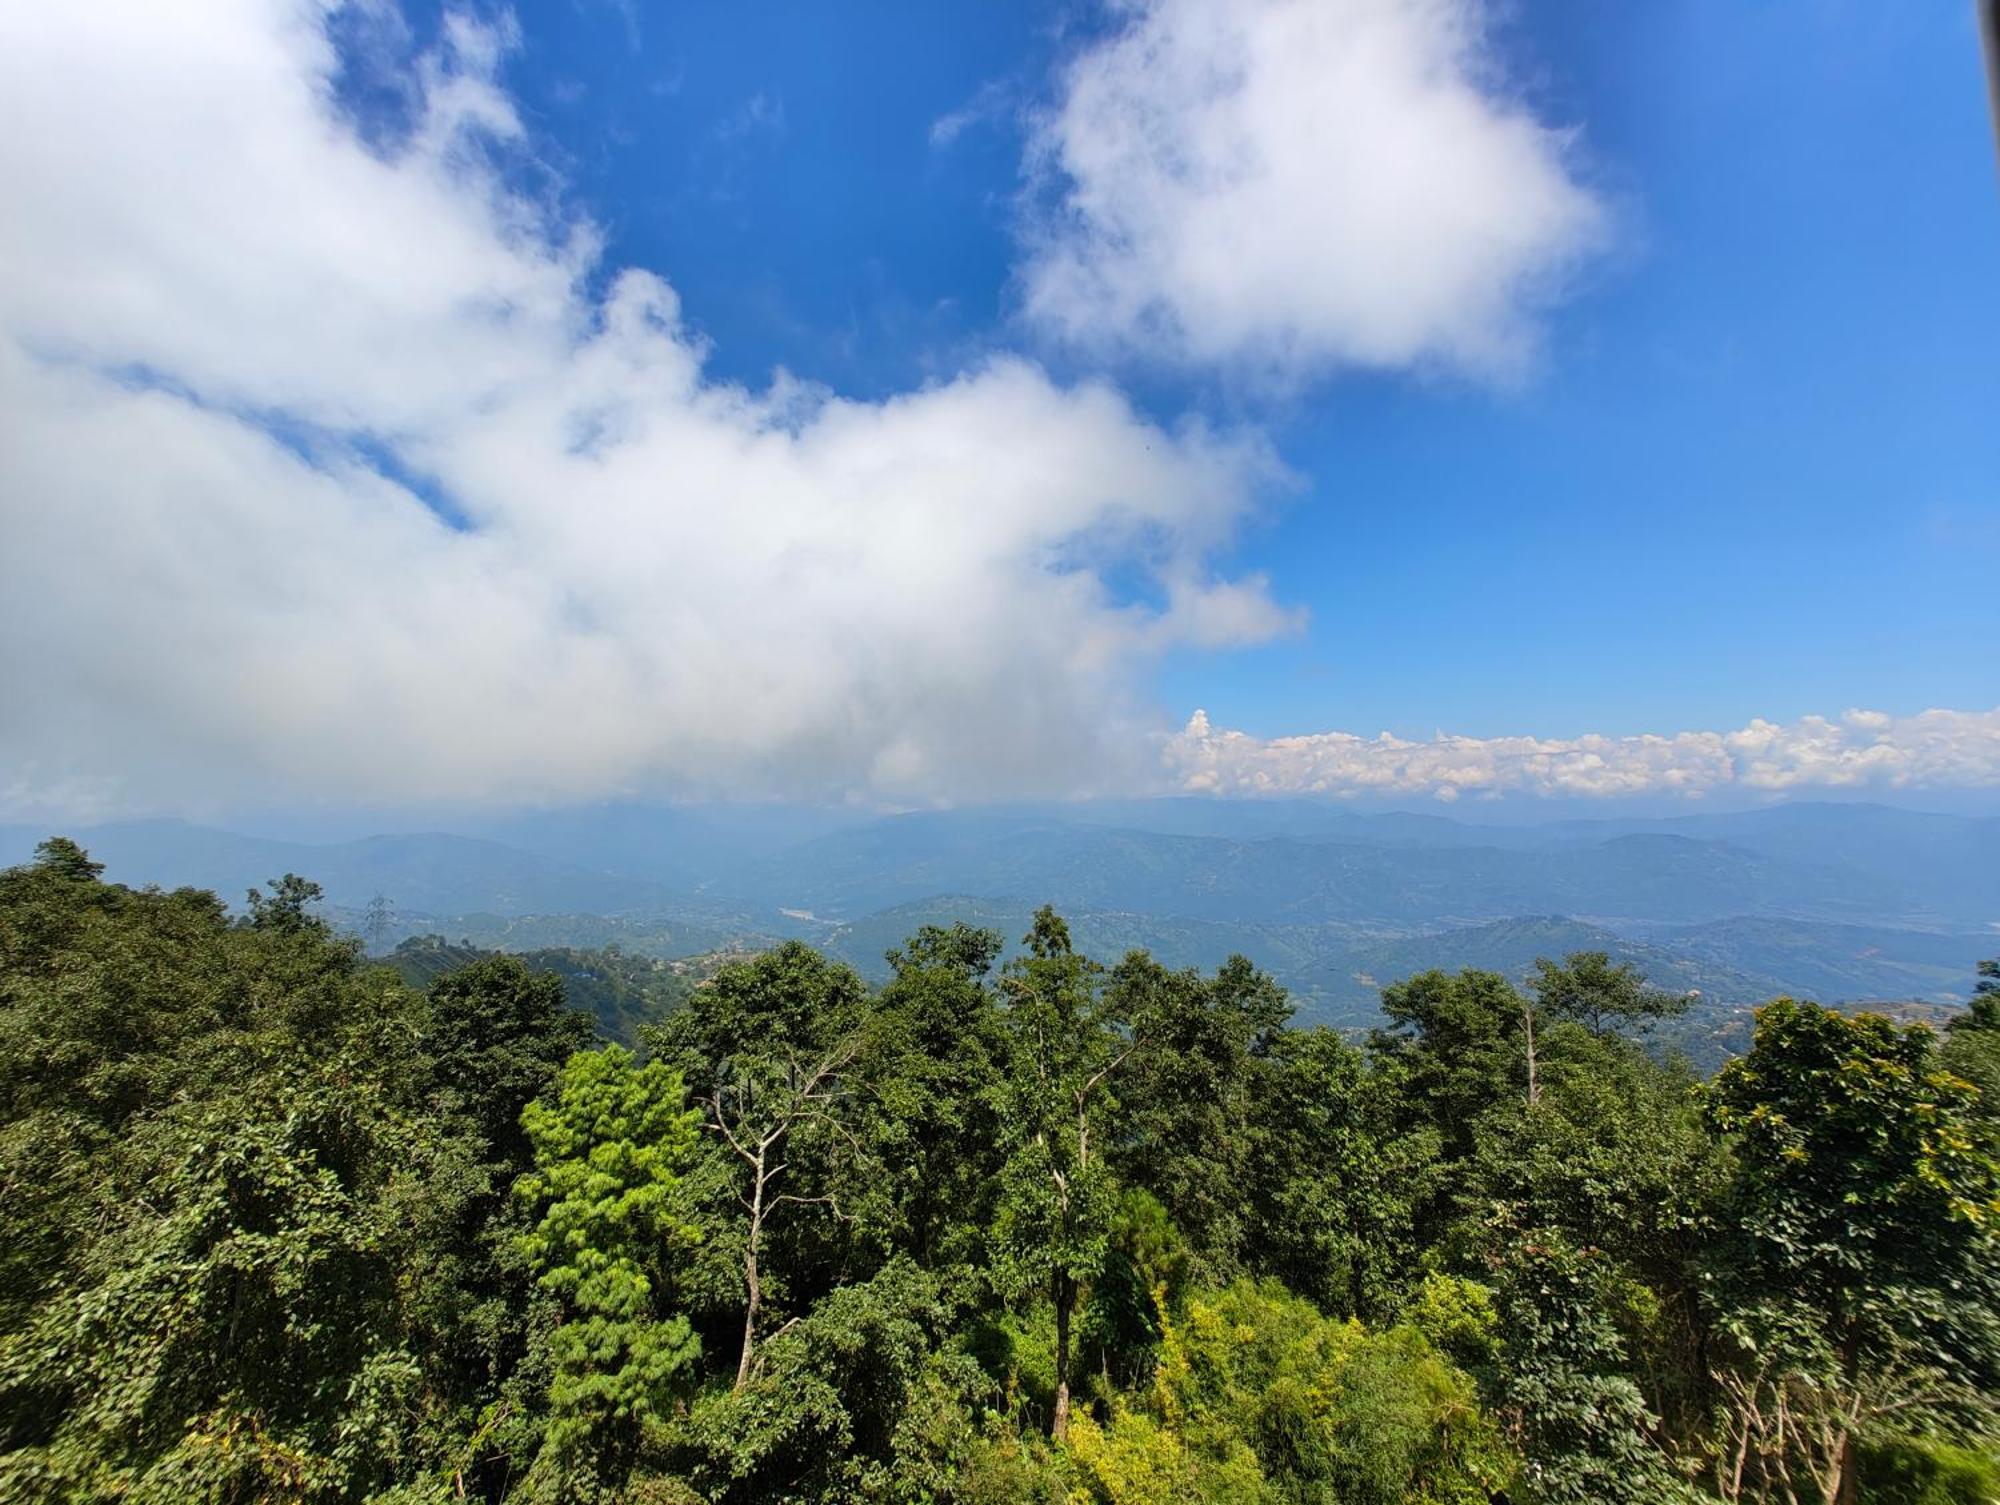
<point x="280" y="1225"/>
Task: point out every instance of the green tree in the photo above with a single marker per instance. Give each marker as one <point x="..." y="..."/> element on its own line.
<point x="59" y="857"/>
<point x="1581" y="1422"/>
<point x="609" y="1147"/>
<point x="1057" y="1197"/>
<point x="1618" y="1158"/>
<point x="1971" y="1050"/>
<point x="857" y="1400"/>
<point x="1187" y="1096"/>
<point x="287" y="909"/>
<point x="768" y="1048"/>
<point x="1336" y="1188"/>
<point x="225" y="1194"/>
<point x="499" y="1035"/>
<point x="1460" y="1044"/>
<point x="1257" y="1397"/>
<point x="1588" y="987"/>
<point x="932" y="1064"/>
<point x="1865" y="1205"/>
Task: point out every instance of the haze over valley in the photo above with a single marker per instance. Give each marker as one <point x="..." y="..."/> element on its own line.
<point x="1838" y="903"/>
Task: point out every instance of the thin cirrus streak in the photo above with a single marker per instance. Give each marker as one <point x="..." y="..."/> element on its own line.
<point x="1859" y="749"/>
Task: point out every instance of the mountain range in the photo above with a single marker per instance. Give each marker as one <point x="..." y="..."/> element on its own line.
<point x="1829" y="901"/>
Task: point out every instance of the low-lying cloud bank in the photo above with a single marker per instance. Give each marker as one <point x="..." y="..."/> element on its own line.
<point x="1860" y="750"/>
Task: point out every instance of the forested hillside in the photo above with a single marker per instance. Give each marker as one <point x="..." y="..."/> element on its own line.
<point x="1019" y="1224"/>
<point x="620" y="993"/>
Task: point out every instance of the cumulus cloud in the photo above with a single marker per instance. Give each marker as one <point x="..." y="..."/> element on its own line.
<point x="1288" y="186"/>
<point x="1862" y="749"/>
<point x="347" y="469"/>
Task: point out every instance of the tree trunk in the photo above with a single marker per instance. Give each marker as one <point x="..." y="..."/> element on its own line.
<point x="1846" y="1488"/>
<point x="1846" y="1480"/>
<point x="753" y="1284"/>
<point x="1065" y="1294"/>
<point x="1528" y="1022"/>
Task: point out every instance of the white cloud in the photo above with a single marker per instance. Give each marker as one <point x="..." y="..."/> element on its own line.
<point x="1288" y="186"/>
<point x="990" y="101"/>
<point x="217" y="303"/>
<point x="760" y="114"/>
<point x="1862" y="749"/>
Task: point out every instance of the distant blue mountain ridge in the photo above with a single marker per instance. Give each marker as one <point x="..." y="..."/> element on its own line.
<point x="1830" y="901"/>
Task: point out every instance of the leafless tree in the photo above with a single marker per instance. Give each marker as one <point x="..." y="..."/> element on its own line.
<point x="756" y="1112"/>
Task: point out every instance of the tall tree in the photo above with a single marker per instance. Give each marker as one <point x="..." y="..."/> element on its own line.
<point x="768" y="1048"/>
<point x="1057" y="1196"/>
<point x="1335" y="1186"/>
<point x="934" y="1057"/>
<point x="1866" y="1207"/>
<point x="1460" y="1045"/>
<point x="1188" y="1094"/>
<point x="498" y="1035"/>
<point x="610" y="1146"/>
<point x="760" y="1109"/>
<point x="1588" y="987"/>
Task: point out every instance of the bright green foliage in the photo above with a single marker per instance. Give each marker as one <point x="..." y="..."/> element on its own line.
<point x="1456" y="1317"/>
<point x="608" y="1155"/>
<point x="1862" y="1187"/>
<point x="1135" y="1459"/>
<point x="1259" y="1398"/>
<point x="1912" y="1472"/>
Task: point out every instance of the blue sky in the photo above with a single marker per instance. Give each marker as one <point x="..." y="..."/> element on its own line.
<point x="1753" y="474"/>
<point x="1710" y="441"/>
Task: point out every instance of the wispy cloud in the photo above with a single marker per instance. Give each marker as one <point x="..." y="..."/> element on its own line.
<point x="992" y="100"/>
<point x="1859" y="749"/>
<point x="762" y="114"/>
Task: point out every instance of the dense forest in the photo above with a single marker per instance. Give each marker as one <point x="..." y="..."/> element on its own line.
<point x="284" y="1224"/>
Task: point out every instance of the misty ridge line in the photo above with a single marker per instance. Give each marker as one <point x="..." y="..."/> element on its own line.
<point x="1832" y="902"/>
